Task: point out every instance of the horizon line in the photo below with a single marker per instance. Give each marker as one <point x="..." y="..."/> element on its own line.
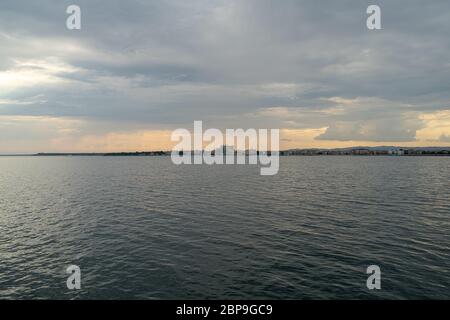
<point x="169" y="151"/>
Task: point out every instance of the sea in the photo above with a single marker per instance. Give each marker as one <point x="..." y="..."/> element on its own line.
<point x="144" y="228"/>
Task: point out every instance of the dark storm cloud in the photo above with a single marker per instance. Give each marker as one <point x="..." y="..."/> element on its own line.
<point x="170" y="62"/>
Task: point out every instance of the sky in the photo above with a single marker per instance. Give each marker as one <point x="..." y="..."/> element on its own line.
<point x="139" y="69"/>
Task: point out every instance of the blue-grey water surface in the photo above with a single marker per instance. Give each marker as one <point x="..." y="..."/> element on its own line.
<point x="143" y="228"/>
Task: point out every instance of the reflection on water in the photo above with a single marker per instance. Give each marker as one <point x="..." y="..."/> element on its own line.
<point x="144" y="228"/>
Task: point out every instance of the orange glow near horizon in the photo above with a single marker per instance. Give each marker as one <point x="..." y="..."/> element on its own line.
<point x="48" y="134"/>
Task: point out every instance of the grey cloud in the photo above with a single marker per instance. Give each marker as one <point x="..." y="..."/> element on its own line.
<point x="378" y="130"/>
<point x="170" y="62"/>
<point x="444" y="138"/>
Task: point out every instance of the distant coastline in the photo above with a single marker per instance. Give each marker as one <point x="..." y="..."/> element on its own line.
<point x="350" y="151"/>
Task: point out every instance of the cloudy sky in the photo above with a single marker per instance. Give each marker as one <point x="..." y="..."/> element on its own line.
<point x="139" y="69"/>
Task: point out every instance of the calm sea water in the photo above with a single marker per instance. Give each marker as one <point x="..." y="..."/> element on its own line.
<point x="145" y="228"/>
